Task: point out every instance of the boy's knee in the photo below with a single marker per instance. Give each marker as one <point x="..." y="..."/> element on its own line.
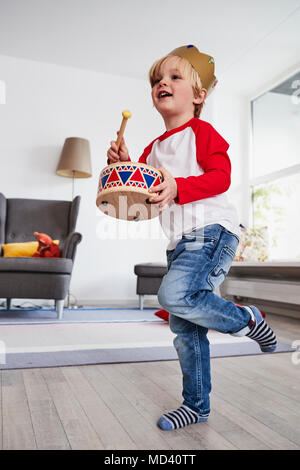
<point x="171" y="297"/>
<point x="179" y="302"/>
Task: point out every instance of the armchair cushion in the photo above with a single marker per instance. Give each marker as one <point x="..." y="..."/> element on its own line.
<point x="41" y="265"/>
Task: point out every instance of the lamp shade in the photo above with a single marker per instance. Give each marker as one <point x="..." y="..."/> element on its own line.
<point x="75" y="159"/>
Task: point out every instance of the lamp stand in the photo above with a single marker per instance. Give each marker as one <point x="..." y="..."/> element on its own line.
<point x="73" y="179"/>
<point x="74" y="162"/>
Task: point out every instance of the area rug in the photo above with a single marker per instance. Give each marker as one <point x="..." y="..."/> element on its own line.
<point x="29" y="316"/>
<point x="69" y="344"/>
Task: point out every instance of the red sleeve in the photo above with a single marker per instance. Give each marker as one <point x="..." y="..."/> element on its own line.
<point x="212" y="156"/>
<point x="146" y="152"/>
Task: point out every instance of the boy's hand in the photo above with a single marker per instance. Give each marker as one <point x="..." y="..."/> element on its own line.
<point x="167" y="189"/>
<point x="114" y="156"/>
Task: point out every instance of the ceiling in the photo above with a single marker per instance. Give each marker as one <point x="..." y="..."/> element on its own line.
<point x="252" y="41"/>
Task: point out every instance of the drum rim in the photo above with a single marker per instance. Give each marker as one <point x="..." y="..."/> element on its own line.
<point x="117" y="189"/>
<point x="132" y="163"/>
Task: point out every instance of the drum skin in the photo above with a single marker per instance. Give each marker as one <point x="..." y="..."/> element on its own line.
<point x="123" y="190"/>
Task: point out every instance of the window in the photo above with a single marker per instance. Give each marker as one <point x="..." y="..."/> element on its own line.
<point x="275" y="182"/>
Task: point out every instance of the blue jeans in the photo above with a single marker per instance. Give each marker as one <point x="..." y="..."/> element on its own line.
<point x="196" y="267"/>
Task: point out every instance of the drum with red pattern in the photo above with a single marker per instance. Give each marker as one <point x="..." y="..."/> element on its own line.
<point x="123" y="190"/>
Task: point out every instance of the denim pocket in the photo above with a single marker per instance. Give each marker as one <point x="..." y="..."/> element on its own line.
<point x="218" y="274"/>
<point x="206" y="234"/>
<point x="197" y="240"/>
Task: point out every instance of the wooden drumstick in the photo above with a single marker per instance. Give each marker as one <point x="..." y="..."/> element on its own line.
<point x="126" y="115"/>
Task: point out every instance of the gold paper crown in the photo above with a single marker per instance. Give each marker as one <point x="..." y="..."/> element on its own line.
<point x="203" y="64"/>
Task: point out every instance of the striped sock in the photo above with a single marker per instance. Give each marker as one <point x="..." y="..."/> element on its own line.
<point x="180" y="418"/>
<point x="261" y="332"/>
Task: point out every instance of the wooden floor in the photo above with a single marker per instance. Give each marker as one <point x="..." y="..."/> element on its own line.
<point x="255" y="404"/>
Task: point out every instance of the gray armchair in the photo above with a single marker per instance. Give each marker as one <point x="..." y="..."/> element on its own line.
<point x="38" y="278"/>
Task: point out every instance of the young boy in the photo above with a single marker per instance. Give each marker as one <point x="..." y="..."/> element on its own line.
<point x="203" y="227"/>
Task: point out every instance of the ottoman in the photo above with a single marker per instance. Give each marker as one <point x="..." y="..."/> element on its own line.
<point x="149" y="277"/>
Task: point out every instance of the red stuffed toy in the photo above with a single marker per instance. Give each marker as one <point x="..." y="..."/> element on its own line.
<point x="46" y="248"/>
<point x="163" y="314"/>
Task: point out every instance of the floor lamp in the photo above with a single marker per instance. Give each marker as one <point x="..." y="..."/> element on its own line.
<point x="75" y="162"/>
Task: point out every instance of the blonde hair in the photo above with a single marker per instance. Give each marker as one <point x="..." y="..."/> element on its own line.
<point x="188" y="72"/>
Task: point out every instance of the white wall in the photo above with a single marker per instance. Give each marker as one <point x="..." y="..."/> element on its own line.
<point x="45" y="104"/>
<point x="231" y="119"/>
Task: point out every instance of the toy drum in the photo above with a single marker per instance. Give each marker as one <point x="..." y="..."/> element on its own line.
<point x="123" y="190"/>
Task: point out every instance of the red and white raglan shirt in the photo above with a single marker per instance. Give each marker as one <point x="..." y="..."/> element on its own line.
<point x="196" y="156"/>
